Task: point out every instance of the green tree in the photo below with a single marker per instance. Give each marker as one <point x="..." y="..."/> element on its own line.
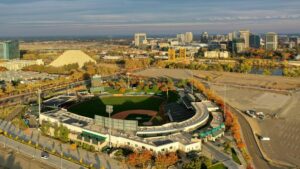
<point x="267" y="72"/>
<point x="64" y="133"/>
<point x="245" y="68"/>
<point x="194" y="164"/>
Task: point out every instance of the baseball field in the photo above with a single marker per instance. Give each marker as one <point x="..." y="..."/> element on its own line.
<point x="97" y="105"/>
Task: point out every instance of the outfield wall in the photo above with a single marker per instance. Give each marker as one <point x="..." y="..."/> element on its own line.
<point x="118" y="124"/>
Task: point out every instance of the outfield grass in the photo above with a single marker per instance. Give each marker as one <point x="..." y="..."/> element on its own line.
<point x="96" y="106"/>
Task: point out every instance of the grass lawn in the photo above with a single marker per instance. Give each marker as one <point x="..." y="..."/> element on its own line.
<point x="235" y="157"/>
<point x="96" y="106"/>
<point x="218" y="166"/>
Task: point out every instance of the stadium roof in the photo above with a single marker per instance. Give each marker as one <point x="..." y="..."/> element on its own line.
<point x="71" y="57"/>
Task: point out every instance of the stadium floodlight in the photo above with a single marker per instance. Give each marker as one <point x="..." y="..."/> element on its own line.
<point x="109" y="110"/>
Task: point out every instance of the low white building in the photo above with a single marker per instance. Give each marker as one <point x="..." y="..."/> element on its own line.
<point x="216" y="54"/>
<point x="20" y="64"/>
<point x="107" y="57"/>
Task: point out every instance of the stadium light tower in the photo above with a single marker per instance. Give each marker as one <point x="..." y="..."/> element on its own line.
<point x="109" y="110"/>
<point x="192" y="87"/>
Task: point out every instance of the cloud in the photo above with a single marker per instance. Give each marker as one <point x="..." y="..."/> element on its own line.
<point x="62" y="15"/>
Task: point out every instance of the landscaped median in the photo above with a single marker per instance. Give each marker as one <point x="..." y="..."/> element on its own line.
<point x="52" y="152"/>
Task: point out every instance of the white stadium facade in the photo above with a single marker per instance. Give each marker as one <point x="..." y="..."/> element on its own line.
<point x="169" y="137"/>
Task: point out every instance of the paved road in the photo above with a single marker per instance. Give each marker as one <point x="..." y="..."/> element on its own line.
<point x="97" y="159"/>
<point x="250" y="141"/>
<point x="36" y="154"/>
<point x="220" y="156"/>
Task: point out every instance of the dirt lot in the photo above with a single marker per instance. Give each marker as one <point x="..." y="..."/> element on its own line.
<point x="275" y="82"/>
<point x="283" y="129"/>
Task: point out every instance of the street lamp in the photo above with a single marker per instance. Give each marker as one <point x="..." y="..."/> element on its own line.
<point x="109" y="110"/>
<point x="39" y="102"/>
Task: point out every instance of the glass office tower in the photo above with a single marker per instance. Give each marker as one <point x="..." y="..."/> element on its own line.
<point x="9" y="50"/>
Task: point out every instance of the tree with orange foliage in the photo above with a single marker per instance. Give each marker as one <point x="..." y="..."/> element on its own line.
<point x="122" y="90"/>
<point x="241" y="145"/>
<point x="163" y="161"/>
<point x="140" y="159"/>
<point x="73" y="146"/>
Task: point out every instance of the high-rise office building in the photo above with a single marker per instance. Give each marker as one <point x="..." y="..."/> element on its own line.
<point x="140" y="39"/>
<point x="9" y="50"/>
<point x="171" y="54"/>
<point x="295" y="39"/>
<point x="245" y="34"/>
<point x="182" y="53"/>
<point x="231" y="36"/>
<point x="238" y="45"/>
<point x="271" y="41"/>
<point x="188" y="37"/>
<point x="254" y="41"/>
<point x="181" y="37"/>
<point x="204" y="37"/>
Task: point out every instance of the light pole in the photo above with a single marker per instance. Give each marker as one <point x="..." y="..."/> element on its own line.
<point x="128" y="83"/>
<point x="192" y="82"/>
<point x="109" y="110"/>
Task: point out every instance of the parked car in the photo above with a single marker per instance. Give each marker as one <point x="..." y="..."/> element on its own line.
<point x="44" y="155"/>
<point x="251" y="113"/>
<point x="260" y="115"/>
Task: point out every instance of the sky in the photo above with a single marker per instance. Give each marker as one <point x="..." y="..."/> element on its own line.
<point x="125" y="17"/>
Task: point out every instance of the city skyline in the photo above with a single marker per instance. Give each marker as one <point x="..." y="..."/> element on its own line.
<point x="91" y="17"/>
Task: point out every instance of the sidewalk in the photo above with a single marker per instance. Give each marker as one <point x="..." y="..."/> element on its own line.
<point x="97" y="159"/>
<point x="10" y="158"/>
<point x="219" y="155"/>
<point x="239" y="154"/>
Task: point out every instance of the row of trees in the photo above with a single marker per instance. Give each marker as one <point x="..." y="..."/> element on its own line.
<point x="231" y="121"/>
<point x="132" y="64"/>
<point x="292" y="72"/>
<point x="239" y="66"/>
<point x="16" y="88"/>
<point x="59" y="131"/>
<point x="141" y="84"/>
<point x="145" y="158"/>
<point x="64" y="70"/>
<point x="201" y="162"/>
<point x="263" y="54"/>
<point x="100" y="69"/>
<point x="2" y="69"/>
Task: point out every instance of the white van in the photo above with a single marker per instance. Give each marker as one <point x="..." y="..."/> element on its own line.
<point x="263" y="138"/>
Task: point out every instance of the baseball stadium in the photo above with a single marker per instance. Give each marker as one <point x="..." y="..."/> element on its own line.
<point x="161" y="121"/>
